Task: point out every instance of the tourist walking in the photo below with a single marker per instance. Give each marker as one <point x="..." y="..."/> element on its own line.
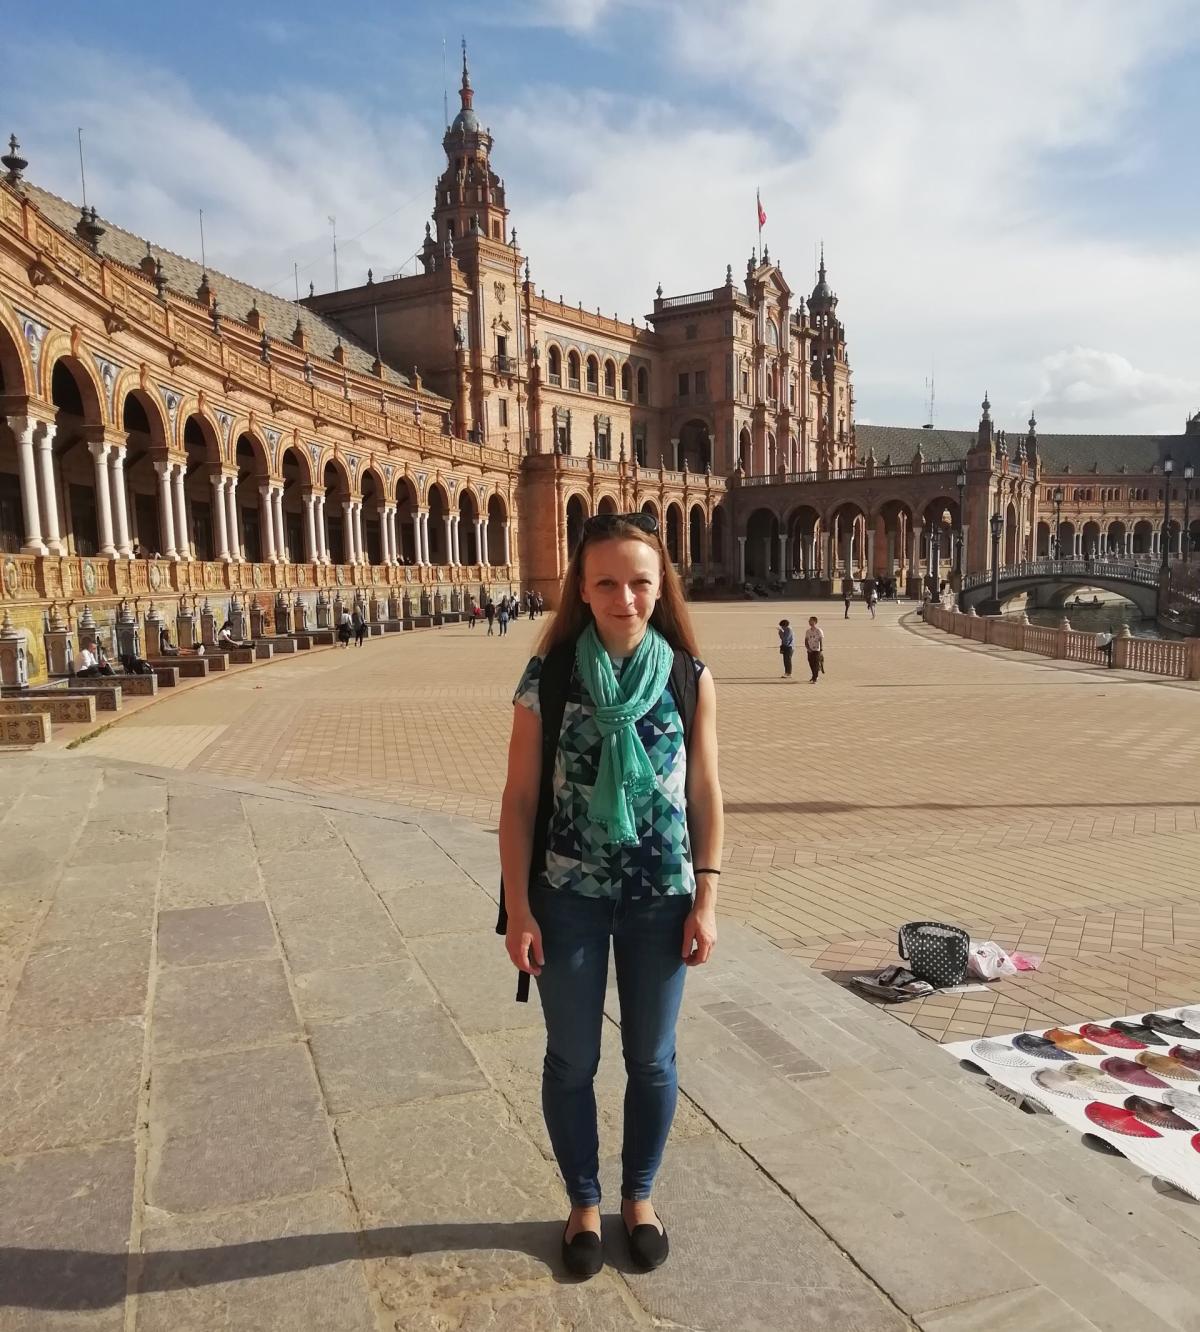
<point x="814" y="647"/>
<point x="872" y="599"/>
<point x="502" y="616"/>
<point x="490" y="611"/>
<point x="787" y="646"/>
<point x="609" y="824"/>
<point x="359" y="624"/>
<point x="345" y="628"/>
<point x="847" y="596"/>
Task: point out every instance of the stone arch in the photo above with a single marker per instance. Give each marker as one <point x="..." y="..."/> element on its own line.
<point x="643" y="384"/>
<point x="1091" y="539"/>
<point x="573" y="379"/>
<point x="674" y="533"/>
<point x="295" y="468"/>
<point x="336" y="480"/>
<point x="58" y="357"/>
<point x="720" y="533"/>
<point x="651" y="507"/>
<point x="695" y="445"/>
<point x="576" y="514"/>
<point x="1143" y="533"/>
<point x="253" y="462"/>
<point x="802" y="530"/>
<point x="762" y="544"/>
<point x="202" y="460"/>
<point x="16" y="371"/>
<point x="893" y="536"/>
<point x="554" y="359"/>
<point x="407" y="503"/>
<point x="468" y="541"/>
<point x="772" y="454"/>
<point x="848" y="529"/>
<point x="1012" y="535"/>
<point x="745" y="453"/>
<point x="497" y="522"/>
<point x="437" y="500"/>
<point x="592" y="372"/>
<point x="372" y="497"/>
<point x="696" y="526"/>
<point x="610" y="377"/>
<point x="78" y="414"/>
<point x="1042" y="543"/>
<point x="626" y="382"/>
<point x="1066" y="540"/>
<point x="1115" y="538"/>
<point x="606" y="504"/>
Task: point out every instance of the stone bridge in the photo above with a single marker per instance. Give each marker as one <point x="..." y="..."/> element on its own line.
<point x="1059" y="579"/>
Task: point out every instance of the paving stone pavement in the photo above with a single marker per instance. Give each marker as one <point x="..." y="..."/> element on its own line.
<point x="1052" y="806"/>
<point x="256" y="1079"/>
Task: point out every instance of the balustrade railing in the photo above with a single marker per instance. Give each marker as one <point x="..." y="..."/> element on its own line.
<point x="864" y="472"/>
<point x="1156" y="656"/>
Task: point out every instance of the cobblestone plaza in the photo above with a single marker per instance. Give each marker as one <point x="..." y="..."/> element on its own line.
<point x="264" y="1071"/>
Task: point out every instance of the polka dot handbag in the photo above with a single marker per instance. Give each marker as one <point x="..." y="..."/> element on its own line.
<point x="934" y="953"/>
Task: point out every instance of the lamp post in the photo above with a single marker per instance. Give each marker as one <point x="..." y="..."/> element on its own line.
<point x="997" y="521"/>
<point x="1058" y="499"/>
<point x="961" y="481"/>
<point x="1188" y="473"/>
<point x="1165" y="542"/>
<point x="935" y="549"/>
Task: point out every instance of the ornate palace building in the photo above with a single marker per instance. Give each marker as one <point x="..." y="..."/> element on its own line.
<point x="173" y="437"/>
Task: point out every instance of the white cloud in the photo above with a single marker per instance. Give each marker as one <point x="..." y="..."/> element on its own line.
<point x="919" y="139"/>
<point x="1097" y="385"/>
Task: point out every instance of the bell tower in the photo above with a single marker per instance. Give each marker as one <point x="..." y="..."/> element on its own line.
<point x="469" y="200"/>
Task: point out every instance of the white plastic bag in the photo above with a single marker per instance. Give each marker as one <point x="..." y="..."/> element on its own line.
<point x="988" y="961"/>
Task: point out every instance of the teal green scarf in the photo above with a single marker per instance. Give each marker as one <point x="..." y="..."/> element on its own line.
<point x="625" y="769"/>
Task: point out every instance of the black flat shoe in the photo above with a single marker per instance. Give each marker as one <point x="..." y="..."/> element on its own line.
<point x="584" y="1255"/>
<point x="648" y="1246"/>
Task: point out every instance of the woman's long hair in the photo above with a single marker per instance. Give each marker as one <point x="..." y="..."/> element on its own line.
<point x="670" y="616"/>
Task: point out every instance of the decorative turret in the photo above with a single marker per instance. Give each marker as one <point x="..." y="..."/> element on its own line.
<point x="13" y="163"/>
<point x="822" y="301"/>
<point x="470" y="196"/>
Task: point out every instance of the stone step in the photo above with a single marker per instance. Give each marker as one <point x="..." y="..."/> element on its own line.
<point x="189" y="668"/>
<point x="25" y="730"/>
<point x="62" y="708"/>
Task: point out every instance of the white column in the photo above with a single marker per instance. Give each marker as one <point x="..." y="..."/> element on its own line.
<point x="166" y="510"/>
<point x="360" y="536"/>
<point x="219" y="516"/>
<point x="783" y="569"/>
<point x="49" y="492"/>
<point x="387" y="528"/>
<point x="235" y="537"/>
<point x="182" y="545"/>
<point x="448" y="540"/>
<point x="266" y="524"/>
<point x="322" y="530"/>
<point x="425" y="537"/>
<point x="507" y="546"/>
<point x="741" y="559"/>
<point x="394" y="533"/>
<point x="23" y="428"/>
<point x="120" y="501"/>
<point x="347" y="532"/>
<point x="456" y="549"/>
<point x="481" y="541"/>
<point x="99" y="452"/>
<point x="280" y="528"/>
<point x="311" y="552"/>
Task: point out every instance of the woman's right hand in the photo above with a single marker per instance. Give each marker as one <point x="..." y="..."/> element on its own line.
<point x="524" y="943"/>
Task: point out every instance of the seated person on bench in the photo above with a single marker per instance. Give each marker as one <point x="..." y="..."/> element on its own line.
<point x="225" y="638"/>
<point x="92" y="661"/>
<point x="165" y="647"/>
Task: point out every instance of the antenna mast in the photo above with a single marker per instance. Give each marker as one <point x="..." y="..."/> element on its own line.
<point x="445" y="94"/>
<point x="333" y="224"/>
<point x="929" y="384"/>
<point x="82" y="176"/>
<point x="203" y="260"/>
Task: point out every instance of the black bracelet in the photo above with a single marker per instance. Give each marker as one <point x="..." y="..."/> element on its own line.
<point x="707" y="871"/>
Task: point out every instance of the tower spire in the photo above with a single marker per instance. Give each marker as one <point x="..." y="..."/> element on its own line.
<point x="466" y="92"/>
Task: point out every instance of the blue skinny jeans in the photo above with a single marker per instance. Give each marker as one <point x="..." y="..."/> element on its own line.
<point x="647" y="938"/>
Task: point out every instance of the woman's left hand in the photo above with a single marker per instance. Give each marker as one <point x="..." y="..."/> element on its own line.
<point x="699" y="935"/>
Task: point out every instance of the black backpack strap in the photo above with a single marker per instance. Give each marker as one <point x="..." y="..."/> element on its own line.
<point x="684" y="685"/>
<point x="553" y="683"/>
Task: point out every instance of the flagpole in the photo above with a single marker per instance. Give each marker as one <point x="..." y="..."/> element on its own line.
<point x="758" y="216"/>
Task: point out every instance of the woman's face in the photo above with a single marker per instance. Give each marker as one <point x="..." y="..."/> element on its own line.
<point x="622" y="580"/>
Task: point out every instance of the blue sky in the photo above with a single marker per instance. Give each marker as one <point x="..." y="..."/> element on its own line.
<point x="1011" y="201"/>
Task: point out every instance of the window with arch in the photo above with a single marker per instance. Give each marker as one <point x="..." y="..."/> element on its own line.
<point x="610" y="380"/>
<point x="573" y="369"/>
<point x="625" y="384"/>
<point x="593" y="375"/>
<point x="643" y="383"/>
<point x="555" y="360"/>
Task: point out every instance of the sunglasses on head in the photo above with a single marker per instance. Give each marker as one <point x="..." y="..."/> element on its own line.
<point x="603" y="523"/>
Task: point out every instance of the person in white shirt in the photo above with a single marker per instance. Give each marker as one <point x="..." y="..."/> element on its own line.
<point x="92" y="662"/>
<point x="1104" y="641"/>
<point x="814" y="646"/>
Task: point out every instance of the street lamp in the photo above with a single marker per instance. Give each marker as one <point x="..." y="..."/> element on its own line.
<point x="1058" y="499"/>
<point x="1165" y="543"/>
<point x="1188" y="472"/>
<point x="961" y="481"/>
<point x="935" y="548"/>
<point x="997" y="521"/>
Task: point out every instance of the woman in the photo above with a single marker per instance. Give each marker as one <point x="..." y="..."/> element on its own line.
<point x="787" y="646"/>
<point x="632" y="852"/>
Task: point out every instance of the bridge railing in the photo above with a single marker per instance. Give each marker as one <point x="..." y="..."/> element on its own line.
<point x="1156" y="656"/>
<point x="1125" y="571"/>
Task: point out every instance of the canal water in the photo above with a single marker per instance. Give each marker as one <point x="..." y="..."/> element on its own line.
<point x="1110" y="615"/>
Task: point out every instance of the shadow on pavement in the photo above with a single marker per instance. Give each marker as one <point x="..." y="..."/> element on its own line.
<point x="74" y="1279"/>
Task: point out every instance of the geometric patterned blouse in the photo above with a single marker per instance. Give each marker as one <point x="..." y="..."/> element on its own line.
<point x="579" y="857"/>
